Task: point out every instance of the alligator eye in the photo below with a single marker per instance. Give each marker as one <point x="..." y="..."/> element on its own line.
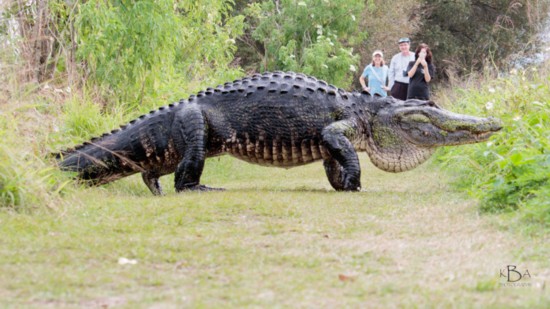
<point x="417" y="118"/>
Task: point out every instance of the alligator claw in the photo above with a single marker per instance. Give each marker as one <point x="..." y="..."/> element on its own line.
<point x="202" y="188"/>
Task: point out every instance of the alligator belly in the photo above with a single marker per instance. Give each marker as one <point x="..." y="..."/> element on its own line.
<point x="277" y="153"/>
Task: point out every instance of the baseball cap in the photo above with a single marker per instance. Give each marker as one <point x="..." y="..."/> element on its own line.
<point x="404" y="40"/>
<point x="378" y="52"/>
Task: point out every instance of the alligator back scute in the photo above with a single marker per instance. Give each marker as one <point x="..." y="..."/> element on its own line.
<point x="272" y="119"/>
<point x="274" y="82"/>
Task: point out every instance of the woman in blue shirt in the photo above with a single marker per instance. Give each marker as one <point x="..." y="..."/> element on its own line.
<point x="376" y="74"/>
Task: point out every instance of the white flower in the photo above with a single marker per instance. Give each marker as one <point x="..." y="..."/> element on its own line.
<point x="68" y="90"/>
<point x="489" y="105"/>
<point x="302" y="3"/>
<point x="514" y="72"/>
<point x="492" y="90"/>
<point x="125" y="261"/>
<point x="517" y="118"/>
<point x="353" y="17"/>
<point x="352" y="68"/>
<point x="489" y="143"/>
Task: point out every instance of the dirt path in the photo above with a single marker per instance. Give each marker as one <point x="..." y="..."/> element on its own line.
<point x="440" y="244"/>
<point x="275" y="238"/>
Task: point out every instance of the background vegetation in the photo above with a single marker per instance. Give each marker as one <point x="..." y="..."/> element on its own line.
<point x="90" y="65"/>
<point x="512" y="171"/>
<point x="471" y="35"/>
<point x="314" y="37"/>
<point x="72" y="69"/>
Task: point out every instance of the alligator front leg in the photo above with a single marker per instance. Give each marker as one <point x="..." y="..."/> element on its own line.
<point x="334" y="173"/>
<point x="342" y="168"/>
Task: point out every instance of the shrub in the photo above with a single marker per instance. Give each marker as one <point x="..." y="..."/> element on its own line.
<point x="148" y="49"/>
<point x="511" y="172"/>
<point x="307" y="36"/>
<point x="27" y="182"/>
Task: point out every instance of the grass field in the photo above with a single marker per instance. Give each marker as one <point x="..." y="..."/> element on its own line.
<point x="274" y="238"/>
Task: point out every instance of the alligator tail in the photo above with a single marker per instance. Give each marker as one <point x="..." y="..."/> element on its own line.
<point x="101" y="160"/>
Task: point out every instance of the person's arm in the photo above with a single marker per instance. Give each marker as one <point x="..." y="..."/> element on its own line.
<point x="385" y="79"/>
<point x="427" y="75"/>
<point x="391" y="73"/>
<point x="411" y="70"/>
<point x="362" y="81"/>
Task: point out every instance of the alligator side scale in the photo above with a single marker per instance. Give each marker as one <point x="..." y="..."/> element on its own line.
<point x="280" y="119"/>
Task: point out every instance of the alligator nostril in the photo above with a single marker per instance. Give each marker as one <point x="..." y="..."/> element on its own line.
<point x="496" y="123"/>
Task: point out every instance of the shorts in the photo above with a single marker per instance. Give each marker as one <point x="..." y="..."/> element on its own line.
<point x="399" y="90"/>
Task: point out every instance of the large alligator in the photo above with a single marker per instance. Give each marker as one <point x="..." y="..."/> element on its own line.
<point x="275" y="119"/>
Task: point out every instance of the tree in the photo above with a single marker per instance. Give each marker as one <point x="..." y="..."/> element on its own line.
<point x="127" y="49"/>
<point x="469" y="34"/>
<point x="308" y="36"/>
<point x="138" y="48"/>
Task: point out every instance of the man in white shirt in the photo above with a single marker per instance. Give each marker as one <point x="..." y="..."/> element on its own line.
<point x="398" y="77"/>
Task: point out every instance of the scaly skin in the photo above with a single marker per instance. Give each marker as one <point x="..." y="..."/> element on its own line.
<point x="275" y="119"/>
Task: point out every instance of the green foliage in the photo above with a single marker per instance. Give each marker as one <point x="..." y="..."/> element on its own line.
<point x="26" y="181"/>
<point x="308" y="36"/>
<point x="511" y="171"/>
<point x="137" y="49"/>
<point x="83" y="118"/>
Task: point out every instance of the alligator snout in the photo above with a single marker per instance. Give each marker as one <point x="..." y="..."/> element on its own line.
<point x="496" y="124"/>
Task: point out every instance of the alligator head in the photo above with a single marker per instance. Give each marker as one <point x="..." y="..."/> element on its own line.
<point x="403" y="134"/>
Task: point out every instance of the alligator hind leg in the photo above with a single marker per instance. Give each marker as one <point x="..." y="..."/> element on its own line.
<point x="190" y="138"/>
<point x="151" y="179"/>
<point x="342" y="168"/>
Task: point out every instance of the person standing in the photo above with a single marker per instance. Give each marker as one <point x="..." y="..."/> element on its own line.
<point x="421" y="72"/>
<point x="376" y="74"/>
<point x="397" y="74"/>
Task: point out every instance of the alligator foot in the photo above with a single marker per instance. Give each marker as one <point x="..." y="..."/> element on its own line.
<point x="201" y="188"/>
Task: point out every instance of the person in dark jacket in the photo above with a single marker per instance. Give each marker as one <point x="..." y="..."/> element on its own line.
<point x="421" y="72"/>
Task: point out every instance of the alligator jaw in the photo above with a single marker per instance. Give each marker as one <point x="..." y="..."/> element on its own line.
<point x="434" y="127"/>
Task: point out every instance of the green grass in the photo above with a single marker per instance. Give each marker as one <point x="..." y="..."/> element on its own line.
<point x="274" y="238"/>
<point x="511" y="172"/>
